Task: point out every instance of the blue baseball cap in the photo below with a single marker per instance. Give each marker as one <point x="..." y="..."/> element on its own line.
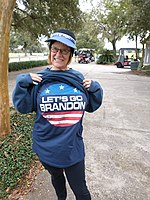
<point x="64" y="36"/>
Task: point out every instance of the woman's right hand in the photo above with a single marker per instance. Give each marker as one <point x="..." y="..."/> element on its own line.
<point x="36" y="78"/>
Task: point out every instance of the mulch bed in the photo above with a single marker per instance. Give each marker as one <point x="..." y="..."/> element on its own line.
<point x="140" y="73"/>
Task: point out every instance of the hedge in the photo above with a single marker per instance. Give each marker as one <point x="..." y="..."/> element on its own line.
<point x="16" y="66"/>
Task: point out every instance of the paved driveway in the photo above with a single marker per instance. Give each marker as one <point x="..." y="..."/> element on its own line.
<point x="117" y="138"/>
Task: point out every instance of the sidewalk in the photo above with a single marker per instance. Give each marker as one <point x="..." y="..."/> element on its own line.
<point x="117" y="138"/>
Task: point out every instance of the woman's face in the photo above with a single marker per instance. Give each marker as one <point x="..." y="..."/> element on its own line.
<point x="60" y="54"/>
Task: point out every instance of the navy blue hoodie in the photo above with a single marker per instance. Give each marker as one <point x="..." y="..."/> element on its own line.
<point x="59" y="101"/>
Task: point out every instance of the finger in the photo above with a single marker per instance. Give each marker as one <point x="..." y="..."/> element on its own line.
<point x="36" y="77"/>
<point x="86" y="80"/>
<point x="33" y="75"/>
<point x="87" y="83"/>
<point x="87" y="86"/>
<point x="35" y="83"/>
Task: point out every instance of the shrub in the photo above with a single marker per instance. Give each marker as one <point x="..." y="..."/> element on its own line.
<point x="146" y="67"/>
<point x="16" y="66"/>
<point x="107" y="57"/>
<point x="16" y="153"/>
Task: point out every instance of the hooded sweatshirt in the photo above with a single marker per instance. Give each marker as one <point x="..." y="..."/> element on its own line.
<point x="59" y="101"/>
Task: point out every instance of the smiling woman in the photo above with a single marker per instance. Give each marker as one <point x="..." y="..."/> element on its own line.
<point x="62" y="45"/>
<point x="60" y="96"/>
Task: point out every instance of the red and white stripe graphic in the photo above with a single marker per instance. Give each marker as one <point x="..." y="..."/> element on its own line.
<point x="65" y="118"/>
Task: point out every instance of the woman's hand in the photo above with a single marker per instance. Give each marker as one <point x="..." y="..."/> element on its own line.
<point x="36" y="78"/>
<point x="87" y="83"/>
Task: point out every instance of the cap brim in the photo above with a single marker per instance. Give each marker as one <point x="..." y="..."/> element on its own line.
<point x="62" y="40"/>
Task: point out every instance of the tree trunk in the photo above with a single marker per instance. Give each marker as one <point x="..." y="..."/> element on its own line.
<point x="136" y="51"/>
<point x="114" y="46"/>
<point x="6" y="10"/>
<point x="142" y="59"/>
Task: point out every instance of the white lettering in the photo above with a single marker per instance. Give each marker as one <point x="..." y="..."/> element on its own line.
<point x="76" y="98"/>
<point x="62" y="106"/>
<point x="51" y="99"/>
<point x="64" y="98"/>
<point x="42" y="106"/>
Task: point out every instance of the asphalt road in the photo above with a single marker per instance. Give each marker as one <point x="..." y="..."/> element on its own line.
<point x="117" y="138"/>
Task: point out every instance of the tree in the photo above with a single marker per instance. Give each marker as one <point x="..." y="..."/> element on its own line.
<point x="24" y="43"/>
<point x="110" y="21"/>
<point x="6" y="10"/>
<point x="35" y="18"/>
<point x="88" y="35"/>
<point x="137" y="20"/>
<point x="42" y="17"/>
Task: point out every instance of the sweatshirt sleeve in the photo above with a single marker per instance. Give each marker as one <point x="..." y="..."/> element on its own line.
<point x="23" y="94"/>
<point x="95" y="97"/>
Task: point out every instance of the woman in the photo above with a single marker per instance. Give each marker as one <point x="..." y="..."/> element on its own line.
<point x="59" y="95"/>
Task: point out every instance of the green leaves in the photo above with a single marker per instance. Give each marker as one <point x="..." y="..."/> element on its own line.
<point x="16" y="152"/>
<point x="137" y="17"/>
<point x="40" y="17"/>
<point x="111" y="22"/>
<point x="16" y="66"/>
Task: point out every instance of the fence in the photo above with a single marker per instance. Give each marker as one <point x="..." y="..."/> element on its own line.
<point x="18" y="57"/>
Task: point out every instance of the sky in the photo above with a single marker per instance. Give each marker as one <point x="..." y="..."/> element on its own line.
<point x="123" y="43"/>
<point x="86" y="5"/>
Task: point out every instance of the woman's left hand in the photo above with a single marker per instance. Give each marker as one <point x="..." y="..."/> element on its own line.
<point x="87" y="83"/>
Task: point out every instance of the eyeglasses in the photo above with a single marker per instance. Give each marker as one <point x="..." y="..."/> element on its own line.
<point x="62" y="51"/>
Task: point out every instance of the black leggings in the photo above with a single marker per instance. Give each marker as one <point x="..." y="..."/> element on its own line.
<point x="76" y="179"/>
